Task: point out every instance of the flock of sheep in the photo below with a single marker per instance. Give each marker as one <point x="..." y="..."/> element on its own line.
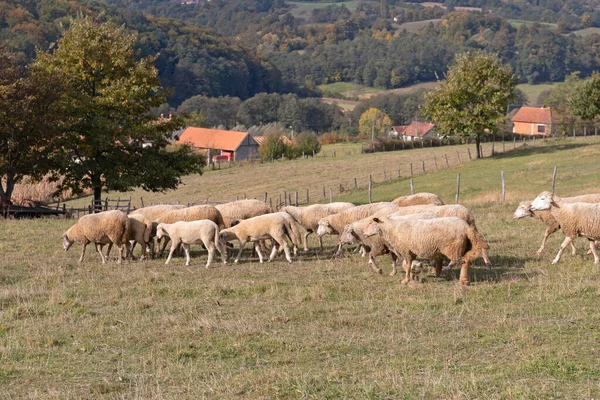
<point x="408" y="227"/>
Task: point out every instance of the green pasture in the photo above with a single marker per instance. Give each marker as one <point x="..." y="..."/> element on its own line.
<point x="321" y="327"/>
<point x="533" y="91"/>
<point x="519" y="22"/>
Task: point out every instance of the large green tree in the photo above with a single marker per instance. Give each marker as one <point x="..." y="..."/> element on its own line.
<point x="114" y="141"/>
<point x="472" y="100"/>
<point x="585" y="98"/>
<point x="29" y="123"/>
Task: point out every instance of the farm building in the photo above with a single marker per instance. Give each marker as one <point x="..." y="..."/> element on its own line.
<point x="220" y="144"/>
<point x="414" y="131"/>
<point x="533" y="121"/>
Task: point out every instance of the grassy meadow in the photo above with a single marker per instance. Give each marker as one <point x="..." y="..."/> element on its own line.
<point x="320" y="327"/>
<point x="533" y="91"/>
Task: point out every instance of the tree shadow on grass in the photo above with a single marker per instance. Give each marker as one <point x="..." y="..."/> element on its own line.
<point x="531" y="150"/>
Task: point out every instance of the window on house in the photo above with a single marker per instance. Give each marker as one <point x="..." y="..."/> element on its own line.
<point x="541" y="128"/>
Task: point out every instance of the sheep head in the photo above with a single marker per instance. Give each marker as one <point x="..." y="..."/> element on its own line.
<point x="543" y="201"/>
<point x="348" y="236"/>
<point x="160" y="231"/>
<point x="373" y="228"/>
<point x="524" y="210"/>
<point x="66" y="242"/>
<point x="325" y="228"/>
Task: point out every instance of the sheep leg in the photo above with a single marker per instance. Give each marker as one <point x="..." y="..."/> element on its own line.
<point x="593" y="249"/>
<point x="164" y="245"/>
<point x="173" y="247"/>
<point x="486" y="259"/>
<point x="286" y="250"/>
<point x="186" y="250"/>
<point x="464" y="273"/>
<point x="546" y="235"/>
<point x="373" y="265"/>
<point x="406" y="265"/>
<point x="239" y="255"/>
<point x="99" y="250"/>
<point x="273" y="253"/>
<point x="211" y="254"/>
<point x="394" y="264"/>
<point x="438" y="265"/>
<point x="320" y="242"/>
<point x="120" y="256"/>
<point x="305" y="240"/>
<point x="83" y="251"/>
<point x="564" y="244"/>
<point x="260" y="255"/>
<point x="339" y="250"/>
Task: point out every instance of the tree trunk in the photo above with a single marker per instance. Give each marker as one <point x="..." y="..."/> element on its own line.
<point x="6" y="193"/>
<point x="97" y="198"/>
<point x="477" y="144"/>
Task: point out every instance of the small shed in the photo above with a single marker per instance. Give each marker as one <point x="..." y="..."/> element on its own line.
<point x="234" y="145"/>
<point x="533" y="121"/>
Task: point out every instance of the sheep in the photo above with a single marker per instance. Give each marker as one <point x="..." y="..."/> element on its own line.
<point x="429" y="238"/>
<point x="193" y="213"/>
<point x="574" y="219"/>
<point x="418" y="199"/>
<point x="524" y="210"/>
<point x="190" y="232"/>
<point x="308" y="217"/>
<point x="153" y="213"/>
<point x="140" y="232"/>
<point x="242" y="209"/>
<point x="354" y="234"/>
<point x="100" y="229"/>
<point x="274" y="226"/>
<point x="336" y="223"/>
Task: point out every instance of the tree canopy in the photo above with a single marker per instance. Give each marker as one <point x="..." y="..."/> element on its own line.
<point x="373" y="123"/>
<point x="114" y="141"/>
<point x="472" y="100"/>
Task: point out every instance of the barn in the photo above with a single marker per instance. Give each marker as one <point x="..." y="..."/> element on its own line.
<point x="225" y="145"/>
<point x="533" y="121"/>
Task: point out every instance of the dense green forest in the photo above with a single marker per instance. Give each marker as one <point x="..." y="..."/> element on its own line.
<point x="237" y="49"/>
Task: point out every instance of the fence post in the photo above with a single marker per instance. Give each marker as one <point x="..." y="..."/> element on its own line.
<point x="355" y="184"/>
<point x="330" y="195"/>
<point x="412" y="187"/>
<point x="307" y="198"/>
<point x="271" y="203"/>
<point x="503" y="147"/>
<point x="554" y="178"/>
<point x="398" y="172"/>
<point x="370" y="188"/>
<point x="493" y="143"/>
<point x="514" y="142"/>
<point x="285" y="198"/>
<point x="435" y="162"/>
<point x="457" y="188"/>
<point x="469" y="151"/>
<point x="384" y="176"/>
<point x="423" y="163"/>
<point x="324" y="191"/>
<point x="411" y="171"/>
<point x="503" y="187"/>
<point x="245" y="197"/>
<point x="265" y="197"/>
<point x="447" y="164"/>
<point x="458" y="156"/>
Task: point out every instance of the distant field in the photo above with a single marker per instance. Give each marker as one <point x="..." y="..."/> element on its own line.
<point x="587" y="31"/>
<point x="350" y="90"/>
<point x="347" y="105"/>
<point x="434" y="4"/>
<point x="416" y="26"/>
<point x="533" y="91"/>
<point x="518" y="22"/>
<point x="303" y="9"/>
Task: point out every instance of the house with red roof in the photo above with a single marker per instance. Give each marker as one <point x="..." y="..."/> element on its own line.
<point x="533" y="121"/>
<point x="416" y="130"/>
<point x="224" y="145"/>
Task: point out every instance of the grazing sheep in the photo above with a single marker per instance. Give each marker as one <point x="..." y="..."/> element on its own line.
<point x="268" y="226"/>
<point x="574" y="219"/>
<point x="101" y="228"/>
<point x="418" y="199"/>
<point x="140" y="232"/>
<point x="354" y="234"/>
<point x="242" y="209"/>
<point x="430" y="239"/>
<point x="190" y="232"/>
<point x="524" y="210"/>
<point x="153" y="213"/>
<point x="449" y="210"/>
<point x="336" y="223"/>
<point x="308" y="217"/>
<point x="193" y="213"/>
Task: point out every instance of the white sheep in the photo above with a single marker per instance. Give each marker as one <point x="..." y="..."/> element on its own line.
<point x="524" y="210"/>
<point x="191" y="232"/>
<point x="418" y="199"/>
<point x="242" y="209"/>
<point x="430" y="239"/>
<point x="276" y="226"/>
<point x="575" y="219"/>
<point x="308" y="217"/>
<point x="336" y="223"/>
<point x="153" y="213"/>
<point x="107" y="227"/>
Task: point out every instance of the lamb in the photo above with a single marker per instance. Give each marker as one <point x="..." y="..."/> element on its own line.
<point x="308" y="217"/>
<point x="354" y="234"/>
<point x="193" y="213"/>
<point x="242" y="209"/>
<point x="191" y="232"/>
<point x="101" y="228"/>
<point x="418" y="199"/>
<point x="524" y="210"/>
<point x="429" y="238"/>
<point x="336" y="223"/>
<point x="574" y="219"/>
<point x="274" y="226"/>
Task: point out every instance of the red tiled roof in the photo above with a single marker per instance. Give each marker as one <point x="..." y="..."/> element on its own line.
<point x="212" y="138"/>
<point x="533" y="115"/>
<point x="399" y="128"/>
<point x="417" y="128"/>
